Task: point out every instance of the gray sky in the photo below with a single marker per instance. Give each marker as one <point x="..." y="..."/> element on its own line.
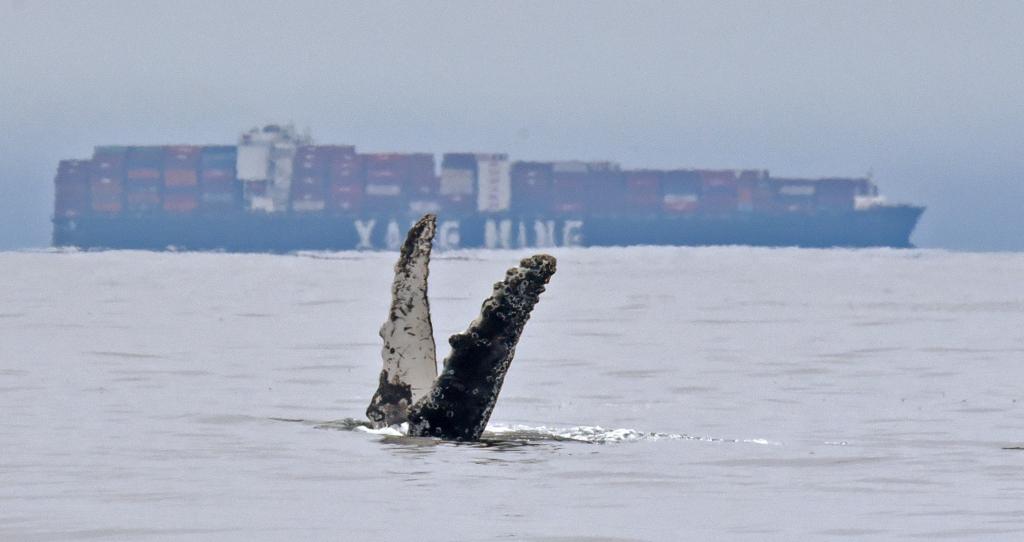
<point x="927" y="95"/>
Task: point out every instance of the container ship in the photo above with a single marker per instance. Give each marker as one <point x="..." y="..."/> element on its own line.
<point x="277" y="191"/>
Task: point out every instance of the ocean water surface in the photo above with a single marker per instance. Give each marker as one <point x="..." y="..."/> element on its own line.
<point x="657" y="394"/>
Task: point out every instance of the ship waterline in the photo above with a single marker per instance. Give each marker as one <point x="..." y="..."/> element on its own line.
<point x="888" y="226"/>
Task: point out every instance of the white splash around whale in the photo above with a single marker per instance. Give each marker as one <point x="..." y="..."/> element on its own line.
<point x="589" y="434"/>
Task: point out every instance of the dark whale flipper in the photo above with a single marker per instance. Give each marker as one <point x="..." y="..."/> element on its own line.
<point x="410" y="359"/>
<point x="463" y="396"/>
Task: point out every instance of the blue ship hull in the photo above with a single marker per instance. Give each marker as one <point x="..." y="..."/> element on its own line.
<point x="886" y="226"/>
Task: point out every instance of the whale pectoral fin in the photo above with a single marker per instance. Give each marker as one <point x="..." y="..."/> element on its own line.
<point x="461" y="400"/>
<point x="409" y="355"/>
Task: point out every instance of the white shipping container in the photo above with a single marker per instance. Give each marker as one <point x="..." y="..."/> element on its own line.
<point x="391" y="190"/>
<point x="308" y="205"/>
<point x="421" y="207"/>
<point x="680" y="200"/>
<point x="494" y="184"/>
<point x="253" y="162"/>
<point x="457" y="182"/>
<point x="262" y="203"/>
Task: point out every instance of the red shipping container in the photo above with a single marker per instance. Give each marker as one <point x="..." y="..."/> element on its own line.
<point x="643" y="191"/>
<point x="216" y="174"/>
<point x="142" y="197"/>
<point x="311" y="161"/>
<point x="311" y="167"/>
<point x="106" y="195"/>
<point x="144" y="164"/>
<point x="142" y="175"/>
<point x="389" y="172"/>
<point x="182" y="156"/>
<point x="681" y="191"/>
<point x="345" y="197"/>
<point x="387" y="178"/>
<point x="181" y="165"/>
<point x="568" y="186"/>
<point x="344" y="166"/>
<point x="181" y="201"/>
<point x="180" y="178"/>
<point x="386" y="170"/>
<point x="718" y="178"/>
<point x="568" y="190"/>
<point x="345" y="183"/>
<point x="719" y="193"/>
<point x="106" y="180"/>
<point x="106" y="203"/>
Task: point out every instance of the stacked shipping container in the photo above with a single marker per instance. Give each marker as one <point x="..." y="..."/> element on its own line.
<point x="184" y="179"/>
<point x="423" y="184"/>
<point x="605" y="190"/>
<point x="681" y="191"/>
<point x="457" y="189"/>
<point x="219" y="190"/>
<point x="530" y="187"/>
<point x="308" y="189"/>
<point x="71" y="188"/>
<point x="106" y="182"/>
<point x="345" y="179"/>
<point x="386" y="179"/>
<point x="719" y="191"/>
<point x="568" y="188"/>
<point x="643" y="192"/>
<point x="494" y="183"/>
<point x="143" y="178"/>
<point x="181" y="179"/>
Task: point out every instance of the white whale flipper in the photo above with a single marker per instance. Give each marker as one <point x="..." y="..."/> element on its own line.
<point x="409" y="354"/>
